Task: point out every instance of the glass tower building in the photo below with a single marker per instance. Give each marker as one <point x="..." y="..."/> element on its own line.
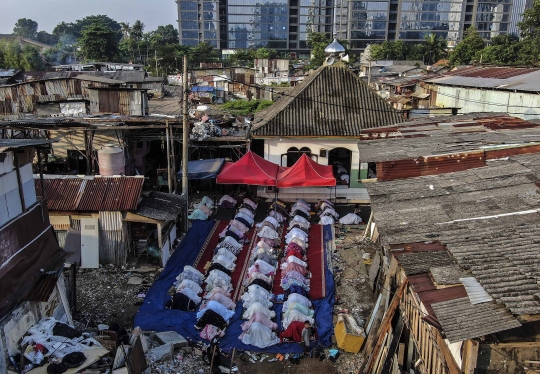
<point x="285" y="24"/>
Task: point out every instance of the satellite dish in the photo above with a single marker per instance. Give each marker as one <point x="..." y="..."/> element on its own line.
<point x="330" y="60"/>
<point x="345" y="58"/>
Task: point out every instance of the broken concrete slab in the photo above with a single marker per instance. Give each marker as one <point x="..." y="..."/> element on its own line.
<point x="172" y="337"/>
<point x="135" y="280"/>
<point x="163" y="352"/>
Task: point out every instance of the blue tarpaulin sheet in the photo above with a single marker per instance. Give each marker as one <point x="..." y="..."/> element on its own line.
<point x="152" y="315"/>
<point x="203" y="169"/>
<point x="202" y="89"/>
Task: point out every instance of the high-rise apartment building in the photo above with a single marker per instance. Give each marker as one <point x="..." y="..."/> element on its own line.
<point x="285" y="24"/>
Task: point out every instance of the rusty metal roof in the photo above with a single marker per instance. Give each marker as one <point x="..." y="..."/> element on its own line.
<point x="426" y="137"/>
<point x="331" y="102"/>
<point x="92" y="194"/>
<point x="491" y="72"/>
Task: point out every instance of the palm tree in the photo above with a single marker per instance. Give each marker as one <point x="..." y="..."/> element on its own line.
<point x="434" y="47"/>
<point x="125" y="29"/>
<point x="137" y="33"/>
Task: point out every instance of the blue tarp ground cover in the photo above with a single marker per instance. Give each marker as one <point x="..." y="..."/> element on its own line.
<point x="152" y="315"/>
<point x="203" y="169"/>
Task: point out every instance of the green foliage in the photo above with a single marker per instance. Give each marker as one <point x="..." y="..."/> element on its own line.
<point x="98" y="42"/>
<point x="466" y="50"/>
<point x="46" y="38"/>
<point x="244" y="107"/>
<point x="76" y="28"/>
<point x="431" y="50"/>
<point x="203" y="52"/>
<point x="13" y="55"/>
<point x="530" y="24"/>
<point x="266" y="53"/>
<point x="241" y="57"/>
<point x="317" y="42"/>
<point x="166" y="34"/>
<point x="504" y="50"/>
<point x="26" y="28"/>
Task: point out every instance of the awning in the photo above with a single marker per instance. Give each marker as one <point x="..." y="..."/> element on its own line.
<point x="203" y="169"/>
<point x="202" y="89"/>
<point x="250" y="169"/>
<point x="307" y="173"/>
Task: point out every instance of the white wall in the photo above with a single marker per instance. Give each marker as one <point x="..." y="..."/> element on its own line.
<point x="470" y="100"/>
<point x="273" y="148"/>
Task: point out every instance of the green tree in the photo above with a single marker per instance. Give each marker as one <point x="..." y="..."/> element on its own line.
<point x="530" y="24"/>
<point x="26" y="28"/>
<point x="266" y="53"/>
<point x="241" y="57"/>
<point x="466" y="50"/>
<point x="389" y="51"/>
<point x="76" y="28"/>
<point x="504" y="50"/>
<point x="168" y="34"/>
<point x="434" y="47"/>
<point x="203" y="52"/>
<point x="13" y="55"/>
<point x="98" y="42"/>
<point x="46" y="38"/>
<point x="317" y="42"/>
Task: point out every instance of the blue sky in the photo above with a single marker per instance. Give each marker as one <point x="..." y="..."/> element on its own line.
<point x="48" y="13"/>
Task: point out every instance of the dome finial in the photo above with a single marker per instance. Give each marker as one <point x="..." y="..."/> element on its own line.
<point x="334" y="47"/>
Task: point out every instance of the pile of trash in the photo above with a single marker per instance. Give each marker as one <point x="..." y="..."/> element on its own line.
<point x="58" y="346"/>
<point x="203" y="130"/>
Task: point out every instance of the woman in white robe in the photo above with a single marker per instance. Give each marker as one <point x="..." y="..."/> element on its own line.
<point x="259" y="335"/>
<point x="258" y="307"/>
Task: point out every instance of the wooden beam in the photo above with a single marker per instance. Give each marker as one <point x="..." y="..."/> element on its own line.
<point x="470" y="356"/>
<point x="453" y="368"/>
<point x="385" y="324"/>
<point x="529" y="318"/>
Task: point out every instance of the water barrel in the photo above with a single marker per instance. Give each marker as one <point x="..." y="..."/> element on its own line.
<point x="111" y="161"/>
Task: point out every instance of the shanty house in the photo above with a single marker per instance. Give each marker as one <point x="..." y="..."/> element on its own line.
<point x="455" y="206"/>
<point x="488" y="89"/>
<point x="112" y="217"/>
<point x="32" y="284"/>
<point x="323" y="117"/>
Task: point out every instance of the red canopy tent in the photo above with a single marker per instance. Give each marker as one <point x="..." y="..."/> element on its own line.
<point x="250" y="169"/>
<point x="306" y="173"/>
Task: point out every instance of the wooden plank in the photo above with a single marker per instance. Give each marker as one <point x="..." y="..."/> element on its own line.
<point x="393" y="345"/>
<point x="367" y="367"/>
<point x="470" y="356"/>
<point x="453" y="368"/>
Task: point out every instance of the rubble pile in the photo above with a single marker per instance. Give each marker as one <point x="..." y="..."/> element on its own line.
<point x="111" y="294"/>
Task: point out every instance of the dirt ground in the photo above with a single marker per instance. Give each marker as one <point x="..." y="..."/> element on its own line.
<point x="104" y="296"/>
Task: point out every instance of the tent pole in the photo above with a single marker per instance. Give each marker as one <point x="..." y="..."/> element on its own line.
<point x="185" y="142"/>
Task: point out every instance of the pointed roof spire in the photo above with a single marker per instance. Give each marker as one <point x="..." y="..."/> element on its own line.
<point x="334" y="47"/>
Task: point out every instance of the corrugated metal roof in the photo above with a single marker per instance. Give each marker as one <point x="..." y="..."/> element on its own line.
<point x="487" y="217"/>
<point x="421" y="262"/>
<point x="6" y="144"/>
<point x="429" y="294"/>
<point x="331" y="102"/>
<point x="161" y="206"/>
<point x="97" y="194"/>
<point x="491" y="72"/>
<point x="461" y="320"/>
<point x="447" y="275"/>
<point x="499" y="78"/>
<point x="448" y="135"/>
<point x="477" y="293"/>
<point x="44" y="287"/>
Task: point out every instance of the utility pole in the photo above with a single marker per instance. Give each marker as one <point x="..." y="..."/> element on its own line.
<point x="169" y="176"/>
<point x="185" y="144"/>
<point x="155" y="58"/>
